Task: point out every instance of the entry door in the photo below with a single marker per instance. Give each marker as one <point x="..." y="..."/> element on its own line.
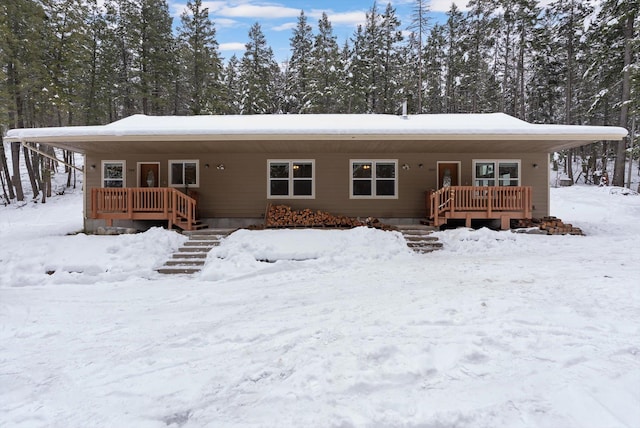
<point x="149" y="174"/>
<point x="451" y="169"/>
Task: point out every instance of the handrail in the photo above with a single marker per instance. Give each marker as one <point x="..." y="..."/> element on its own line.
<point x="143" y="203"/>
<point x="492" y="201"/>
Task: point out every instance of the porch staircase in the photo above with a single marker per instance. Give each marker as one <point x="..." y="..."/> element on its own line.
<point x="419" y="238"/>
<point x="191" y="257"/>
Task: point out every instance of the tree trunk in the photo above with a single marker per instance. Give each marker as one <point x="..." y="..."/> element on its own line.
<point x="570" y="165"/>
<point x="15" y="160"/>
<point x="32" y="175"/>
<point x="621" y="146"/>
<point x="5" y="171"/>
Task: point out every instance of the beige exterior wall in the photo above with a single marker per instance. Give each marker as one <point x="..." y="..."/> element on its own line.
<point x="240" y="190"/>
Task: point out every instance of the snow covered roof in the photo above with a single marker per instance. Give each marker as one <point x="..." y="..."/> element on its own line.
<point x="420" y="129"/>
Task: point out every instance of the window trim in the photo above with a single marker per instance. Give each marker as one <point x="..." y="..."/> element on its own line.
<point x="183" y="161"/>
<point x="124" y="173"/>
<point x="496" y="177"/>
<point x="373" y="163"/>
<point x="291" y="178"/>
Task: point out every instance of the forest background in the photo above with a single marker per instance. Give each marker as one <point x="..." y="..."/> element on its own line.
<point x="84" y="62"/>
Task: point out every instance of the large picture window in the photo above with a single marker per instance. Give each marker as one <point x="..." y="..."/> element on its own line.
<point x="113" y="173"/>
<point x="184" y="173"/>
<point x="374" y="179"/>
<point x="496" y="172"/>
<point x="291" y="179"/>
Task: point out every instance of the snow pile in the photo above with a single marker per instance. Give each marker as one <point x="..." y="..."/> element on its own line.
<point x="247" y="251"/>
<point x="41" y="246"/>
<point x="498" y="329"/>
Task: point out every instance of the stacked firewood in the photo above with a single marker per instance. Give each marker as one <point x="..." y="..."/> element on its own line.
<point x="285" y="216"/>
<point x="551" y="225"/>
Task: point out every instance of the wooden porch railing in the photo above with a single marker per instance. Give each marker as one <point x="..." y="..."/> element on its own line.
<point x="144" y="203"/>
<point x="487" y="202"/>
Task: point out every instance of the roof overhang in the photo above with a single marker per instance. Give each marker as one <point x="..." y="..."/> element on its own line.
<point x="306" y="133"/>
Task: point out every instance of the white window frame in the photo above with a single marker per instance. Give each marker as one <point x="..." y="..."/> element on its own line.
<point x="291" y="178"/>
<point x="124" y="172"/>
<point x="183" y="162"/>
<point x="373" y="163"/>
<point x="496" y="177"/>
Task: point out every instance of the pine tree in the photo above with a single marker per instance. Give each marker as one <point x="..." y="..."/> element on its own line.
<point x="156" y="53"/>
<point x="259" y="72"/>
<point x="66" y="56"/>
<point x="545" y="86"/>
<point x="325" y="74"/>
<point x="454" y="36"/>
<point x="435" y="59"/>
<point x="419" y="26"/>
<point x="618" y="22"/>
<point x="391" y="36"/>
<point x="479" y="41"/>
<point x="200" y="60"/>
<point x="232" y="86"/>
<point x="22" y="55"/>
<point x="357" y="73"/>
<point x="300" y="68"/>
<point x="118" y="57"/>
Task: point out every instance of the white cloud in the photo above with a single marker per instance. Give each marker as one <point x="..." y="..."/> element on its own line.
<point x="258" y="11"/>
<point x="285" y="27"/>
<point x="233" y="46"/>
<point x="445" y="5"/>
<point x="225" y="22"/>
<point x="341" y="18"/>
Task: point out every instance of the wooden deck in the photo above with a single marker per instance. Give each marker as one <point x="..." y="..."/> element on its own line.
<point x="145" y="203"/>
<point x="480" y="203"/>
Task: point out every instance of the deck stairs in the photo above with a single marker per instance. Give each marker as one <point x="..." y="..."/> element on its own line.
<point x="191" y="257"/>
<point x="184" y="224"/>
<point x="419" y="238"/>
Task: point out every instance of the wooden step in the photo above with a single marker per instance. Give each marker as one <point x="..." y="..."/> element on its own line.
<point x="178" y="270"/>
<point x="198" y="249"/>
<point x="182" y="262"/>
<point x="202" y="243"/>
<point x="418" y="238"/>
<point x="424" y="244"/>
<point x="201" y="255"/>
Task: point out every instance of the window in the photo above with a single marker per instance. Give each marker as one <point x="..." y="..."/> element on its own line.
<point x="184" y="173"/>
<point x="374" y="179"/>
<point x="291" y="179"/>
<point x="113" y="173"/>
<point x="496" y="172"/>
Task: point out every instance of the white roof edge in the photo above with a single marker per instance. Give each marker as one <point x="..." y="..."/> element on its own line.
<point x="428" y="127"/>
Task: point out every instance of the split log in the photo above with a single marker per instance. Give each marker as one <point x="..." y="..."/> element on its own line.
<point x="284" y="216"/>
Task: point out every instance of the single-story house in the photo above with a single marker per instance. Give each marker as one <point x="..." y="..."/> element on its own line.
<point x="224" y="170"/>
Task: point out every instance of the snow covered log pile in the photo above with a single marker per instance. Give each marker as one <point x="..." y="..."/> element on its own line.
<point x="551" y="225"/>
<point x="285" y="216"/>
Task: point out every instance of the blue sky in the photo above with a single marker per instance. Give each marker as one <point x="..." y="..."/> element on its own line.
<point x="233" y="18"/>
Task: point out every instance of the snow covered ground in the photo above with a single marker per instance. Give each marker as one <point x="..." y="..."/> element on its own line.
<point x="345" y="329"/>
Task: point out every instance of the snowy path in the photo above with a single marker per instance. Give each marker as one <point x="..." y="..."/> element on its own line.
<point x="498" y="329"/>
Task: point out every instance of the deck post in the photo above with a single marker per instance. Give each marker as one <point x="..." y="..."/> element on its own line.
<point x="452" y="200"/>
<point x="94" y="202"/>
<point x="505" y="222"/>
<point x="165" y="202"/>
<point x="490" y="201"/>
<point x="130" y="202"/>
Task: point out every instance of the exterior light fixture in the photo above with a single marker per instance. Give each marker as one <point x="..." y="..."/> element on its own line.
<point x="220" y="167"/>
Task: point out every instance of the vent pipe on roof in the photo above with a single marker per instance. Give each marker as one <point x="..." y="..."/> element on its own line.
<point x="404" y="110"/>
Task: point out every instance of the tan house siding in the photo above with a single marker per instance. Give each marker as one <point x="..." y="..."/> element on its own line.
<point x="240" y="189"/>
